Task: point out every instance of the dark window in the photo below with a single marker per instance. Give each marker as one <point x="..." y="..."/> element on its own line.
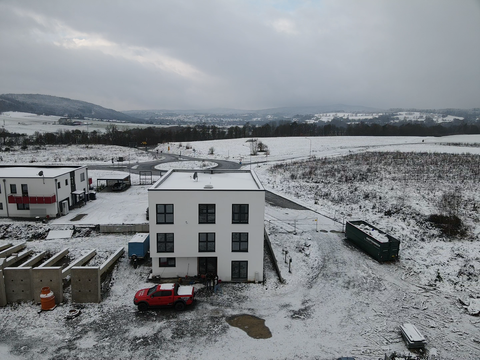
<point x="166" y="262"/>
<point x="24" y="190"/>
<point x="13" y="188"/>
<point x="164" y="213"/>
<point x="0" y="189"/>
<point x="66" y="182"/>
<point x="82" y="176"/>
<point x="206" y="214"/>
<point x="240" y="213"/>
<point x="59" y="184"/>
<point x="1" y="206"/>
<point x="240" y="242"/>
<point x="165" y="242"/>
<point x="206" y="242"/>
<point x="239" y="270"/>
<point x="23" y="206"/>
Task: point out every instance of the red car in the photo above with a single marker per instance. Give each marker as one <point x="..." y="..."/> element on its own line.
<point x="165" y="295"/>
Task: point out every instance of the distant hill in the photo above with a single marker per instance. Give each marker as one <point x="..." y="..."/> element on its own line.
<point x="282" y="111"/>
<point x="59" y="106"/>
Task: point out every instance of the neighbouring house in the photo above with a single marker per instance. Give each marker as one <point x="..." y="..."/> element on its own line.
<point x="41" y="191"/>
<point x="207" y="221"/>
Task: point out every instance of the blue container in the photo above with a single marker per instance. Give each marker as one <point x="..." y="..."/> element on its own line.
<point x="139" y="246"/>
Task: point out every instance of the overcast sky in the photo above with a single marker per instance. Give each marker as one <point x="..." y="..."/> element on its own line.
<point x="244" y="54"/>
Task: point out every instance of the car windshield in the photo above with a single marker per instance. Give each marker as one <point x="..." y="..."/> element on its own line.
<point x="151" y="290"/>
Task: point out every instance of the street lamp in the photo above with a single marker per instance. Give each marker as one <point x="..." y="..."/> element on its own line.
<point x="310" y="146"/>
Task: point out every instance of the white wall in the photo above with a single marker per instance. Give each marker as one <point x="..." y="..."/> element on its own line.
<point x="186" y="229"/>
<point x="41" y="187"/>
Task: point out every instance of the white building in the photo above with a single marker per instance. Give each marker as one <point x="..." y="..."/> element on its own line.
<point x="43" y="191"/>
<point x="207" y="221"/>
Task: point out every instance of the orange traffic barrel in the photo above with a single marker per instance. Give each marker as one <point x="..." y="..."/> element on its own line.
<point x="47" y="299"/>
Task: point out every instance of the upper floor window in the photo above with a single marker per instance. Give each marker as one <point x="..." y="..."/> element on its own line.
<point x="13" y="188"/>
<point x="59" y="185"/>
<point x="164" y="213"/>
<point x="206" y="214"/>
<point x="240" y="214"/>
<point x="240" y="242"/>
<point x="66" y="182"/>
<point x="82" y="176"/>
<point x="165" y="243"/>
<point x="24" y="190"/>
<point x="206" y="242"/>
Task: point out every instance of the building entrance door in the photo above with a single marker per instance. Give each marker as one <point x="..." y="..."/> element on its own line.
<point x="207" y="265"/>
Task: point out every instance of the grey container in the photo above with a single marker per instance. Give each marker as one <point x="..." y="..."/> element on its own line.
<point x="373" y="241"/>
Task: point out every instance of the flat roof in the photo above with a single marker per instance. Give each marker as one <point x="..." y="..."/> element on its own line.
<point x="211" y="180"/>
<point x="114" y="177"/>
<point x="33" y="171"/>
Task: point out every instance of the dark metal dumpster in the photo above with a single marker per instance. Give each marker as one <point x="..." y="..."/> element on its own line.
<point x="375" y="242"/>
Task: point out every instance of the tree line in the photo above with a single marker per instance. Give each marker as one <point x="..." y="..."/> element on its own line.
<point x="113" y="135"/>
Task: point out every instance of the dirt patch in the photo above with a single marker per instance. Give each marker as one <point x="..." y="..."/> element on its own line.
<point x="252" y="325"/>
<point x="78" y="217"/>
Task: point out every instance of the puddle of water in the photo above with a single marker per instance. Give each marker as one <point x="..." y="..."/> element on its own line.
<point x="252" y="325"/>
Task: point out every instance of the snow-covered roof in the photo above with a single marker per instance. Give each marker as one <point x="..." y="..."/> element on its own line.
<point x="114" y="177"/>
<point x="34" y="171"/>
<point x="180" y="179"/>
<point x="139" y="238"/>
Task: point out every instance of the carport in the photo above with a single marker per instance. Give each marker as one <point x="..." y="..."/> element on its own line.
<point x="110" y="180"/>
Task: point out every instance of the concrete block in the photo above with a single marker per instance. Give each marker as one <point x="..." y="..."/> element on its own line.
<point x="5" y="246"/>
<point x="123" y="228"/>
<point x="37" y="258"/>
<point x="79" y="262"/>
<point x="47" y="276"/>
<point x="16" y="257"/>
<point x="86" y="284"/>
<point x="3" y="295"/>
<point x="55" y="258"/>
<point x="11" y="250"/>
<point x="18" y="284"/>
<point x="111" y="260"/>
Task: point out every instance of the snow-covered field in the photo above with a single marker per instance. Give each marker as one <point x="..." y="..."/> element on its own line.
<point x="26" y="123"/>
<point x="336" y="301"/>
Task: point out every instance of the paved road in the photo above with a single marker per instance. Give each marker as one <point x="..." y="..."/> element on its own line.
<point x="165" y="158"/>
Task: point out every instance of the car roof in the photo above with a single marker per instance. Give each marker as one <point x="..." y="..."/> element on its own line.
<point x="168" y="286"/>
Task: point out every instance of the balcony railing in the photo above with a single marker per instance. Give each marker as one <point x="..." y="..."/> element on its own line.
<point x="12" y="199"/>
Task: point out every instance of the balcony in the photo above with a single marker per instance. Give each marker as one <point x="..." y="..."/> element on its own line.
<point x="32" y="199"/>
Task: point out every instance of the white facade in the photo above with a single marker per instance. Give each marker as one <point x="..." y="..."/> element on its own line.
<point x="227" y="240"/>
<point x="43" y="191"/>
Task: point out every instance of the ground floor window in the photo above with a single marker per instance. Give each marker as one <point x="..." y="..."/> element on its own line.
<point x="207" y="265"/>
<point x="239" y="270"/>
<point x="166" y="262"/>
<point x="23" y="206"/>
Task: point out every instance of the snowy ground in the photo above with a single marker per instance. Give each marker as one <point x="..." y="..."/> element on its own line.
<point x="337" y="301"/>
<point x="25" y="123"/>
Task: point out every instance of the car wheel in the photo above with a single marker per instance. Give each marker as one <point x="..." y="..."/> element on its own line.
<point x="142" y="307"/>
<point x="179" y="306"/>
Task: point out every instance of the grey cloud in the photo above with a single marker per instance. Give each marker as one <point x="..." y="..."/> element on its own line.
<point x="244" y="54"/>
